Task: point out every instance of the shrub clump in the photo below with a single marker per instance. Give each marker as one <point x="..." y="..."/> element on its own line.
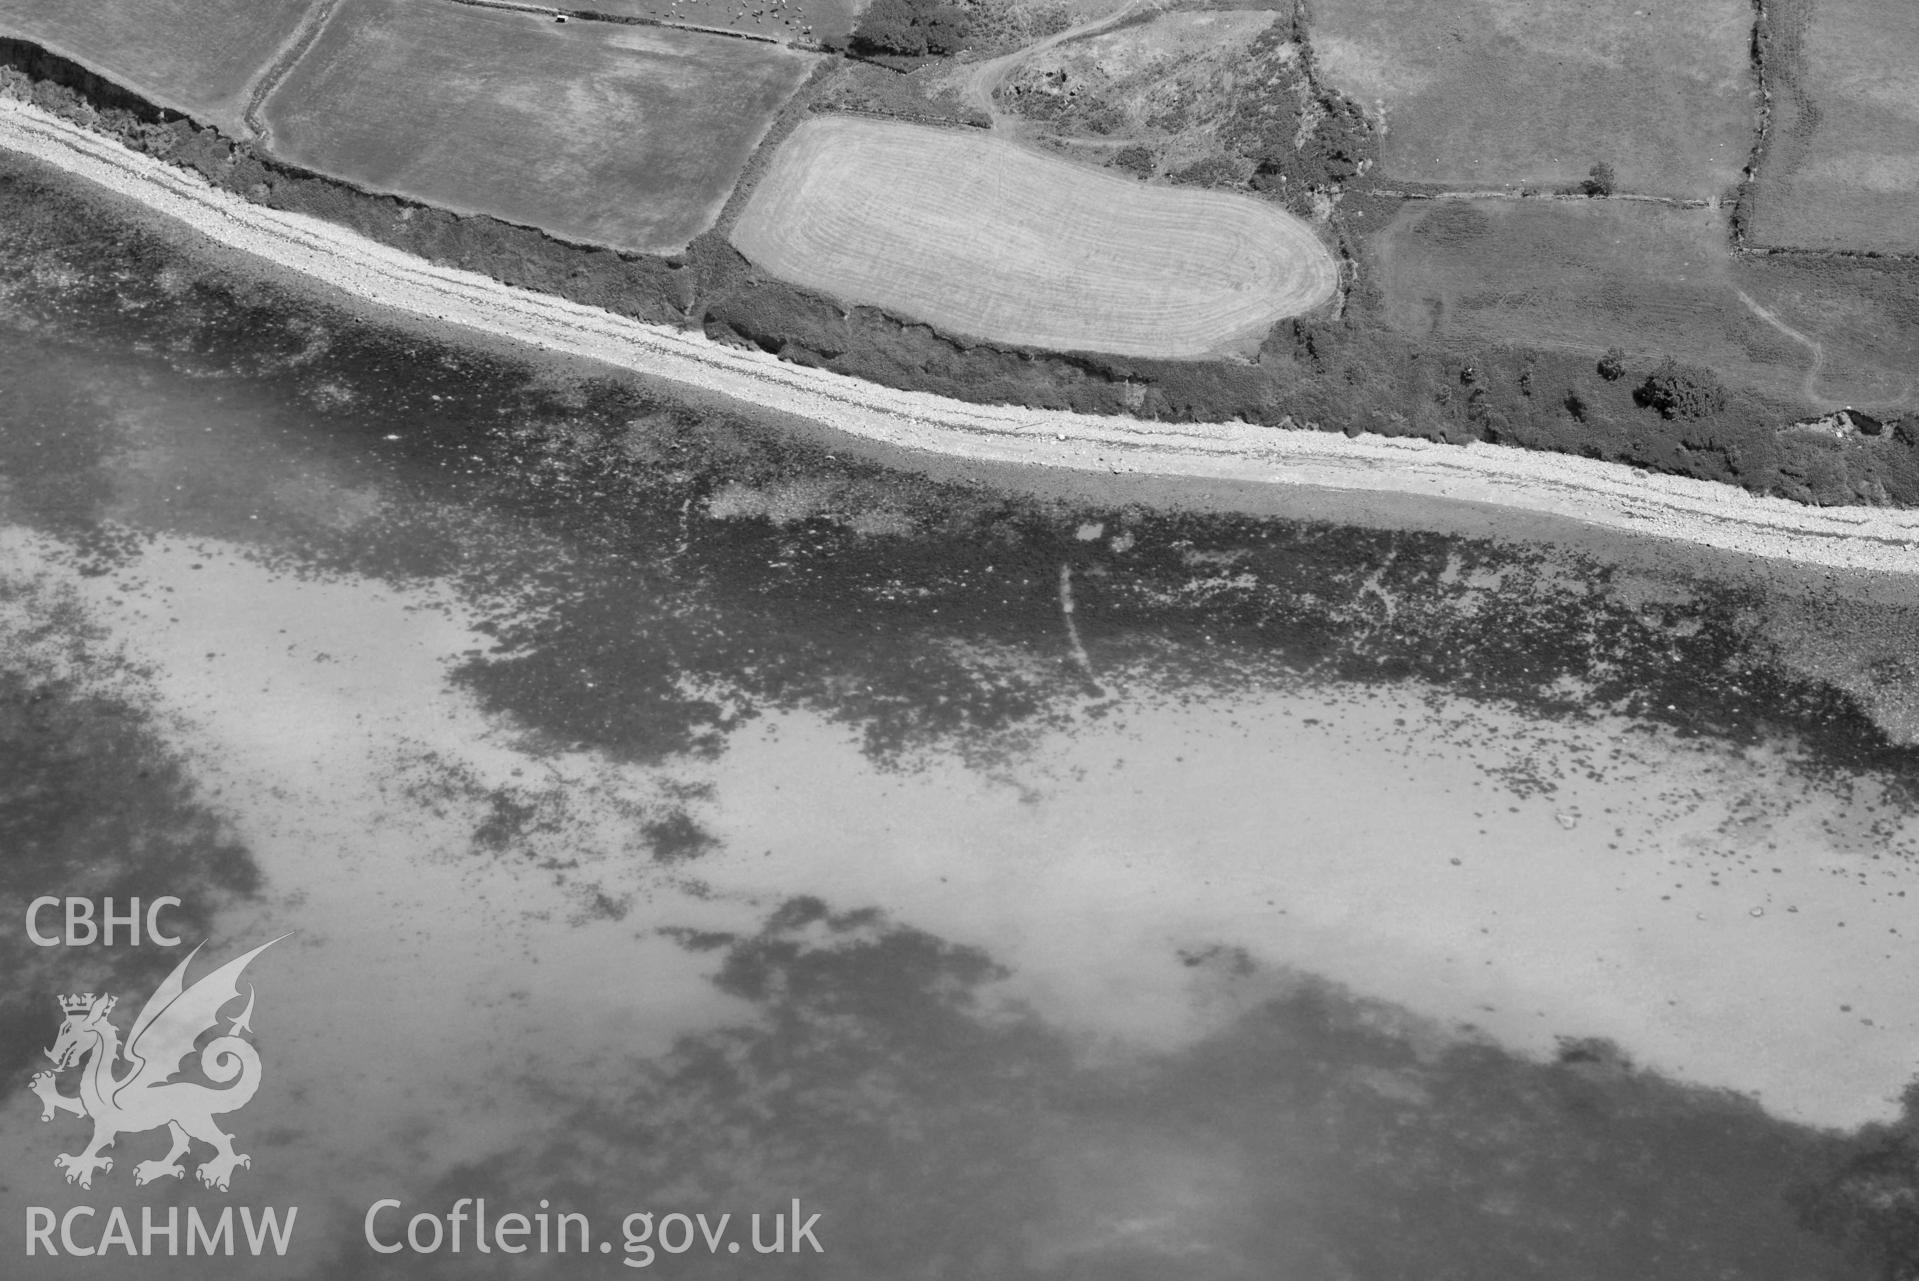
<point x="1332" y="152"/>
<point x="1136" y="160"/>
<point x="910" y="28"/>
<point x="1682" y="391"/>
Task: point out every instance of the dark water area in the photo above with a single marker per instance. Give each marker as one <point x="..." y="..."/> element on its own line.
<point x="837" y="565"/>
<point x="652" y="616"/>
<point x="92" y="801"/>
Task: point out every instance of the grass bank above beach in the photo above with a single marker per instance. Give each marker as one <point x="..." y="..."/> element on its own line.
<point x="1826" y="336"/>
<point x="1584" y="490"/>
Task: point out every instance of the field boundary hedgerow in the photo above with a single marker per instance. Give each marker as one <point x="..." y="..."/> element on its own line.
<point x="798" y="109"/>
<point x="1623" y="197"/>
<point x="196" y="57"/>
<point x="1325" y="93"/>
<point x="1774" y="51"/>
<point x="296" y="48"/>
<point x="453" y="105"/>
<point x="1511" y="93"/>
<point x="1580" y="490"/>
<point x="625" y="20"/>
<point x="1347" y="374"/>
<point x="1763" y="75"/>
<point x="1780" y="61"/>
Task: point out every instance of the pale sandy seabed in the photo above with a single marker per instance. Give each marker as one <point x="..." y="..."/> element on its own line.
<point x="1647" y="905"/>
<point x="1726" y="915"/>
<point x="1600" y="494"/>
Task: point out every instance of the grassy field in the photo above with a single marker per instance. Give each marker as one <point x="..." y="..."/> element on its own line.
<point x="1842" y="170"/>
<point x="1503" y="93"/>
<point x="806" y="20"/>
<point x="198" y="57"/>
<point x="985" y="239"/>
<point x="1655" y="282"/>
<point x="607" y="134"/>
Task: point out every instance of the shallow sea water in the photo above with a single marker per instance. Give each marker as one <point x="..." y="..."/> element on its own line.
<point x="666" y="816"/>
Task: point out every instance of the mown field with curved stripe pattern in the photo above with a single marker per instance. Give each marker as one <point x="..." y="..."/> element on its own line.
<point x="986" y="239"/>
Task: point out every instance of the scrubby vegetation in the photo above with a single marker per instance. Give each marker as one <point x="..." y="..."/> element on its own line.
<point x="911" y="28"/>
<point x="1334" y="147"/>
<point x="1654" y="281"/>
<point x="647" y="288"/>
<point x="863" y="88"/>
<point x="1135" y="159"/>
<point x="1309" y="138"/>
<point x="1350" y="373"/>
<point x="1683" y="391"/>
<point x="1230" y="105"/>
<point x="998" y="26"/>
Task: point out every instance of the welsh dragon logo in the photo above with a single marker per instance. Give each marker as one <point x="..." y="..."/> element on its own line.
<point x="145" y="1096"/>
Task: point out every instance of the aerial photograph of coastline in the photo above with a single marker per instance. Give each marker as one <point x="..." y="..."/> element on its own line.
<point x="857" y="640"/>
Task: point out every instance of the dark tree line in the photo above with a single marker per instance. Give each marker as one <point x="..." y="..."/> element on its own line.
<point x="1330" y="155"/>
<point x="911" y="28"/>
<point x="1278" y="94"/>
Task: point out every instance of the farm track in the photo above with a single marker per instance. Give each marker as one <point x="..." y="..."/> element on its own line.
<point x="1579" y="491"/>
<point x="1767" y="45"/>
<point x="590" y="15"/>
<point x="1810" y="387"/>
<point x="983" y="83"/>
